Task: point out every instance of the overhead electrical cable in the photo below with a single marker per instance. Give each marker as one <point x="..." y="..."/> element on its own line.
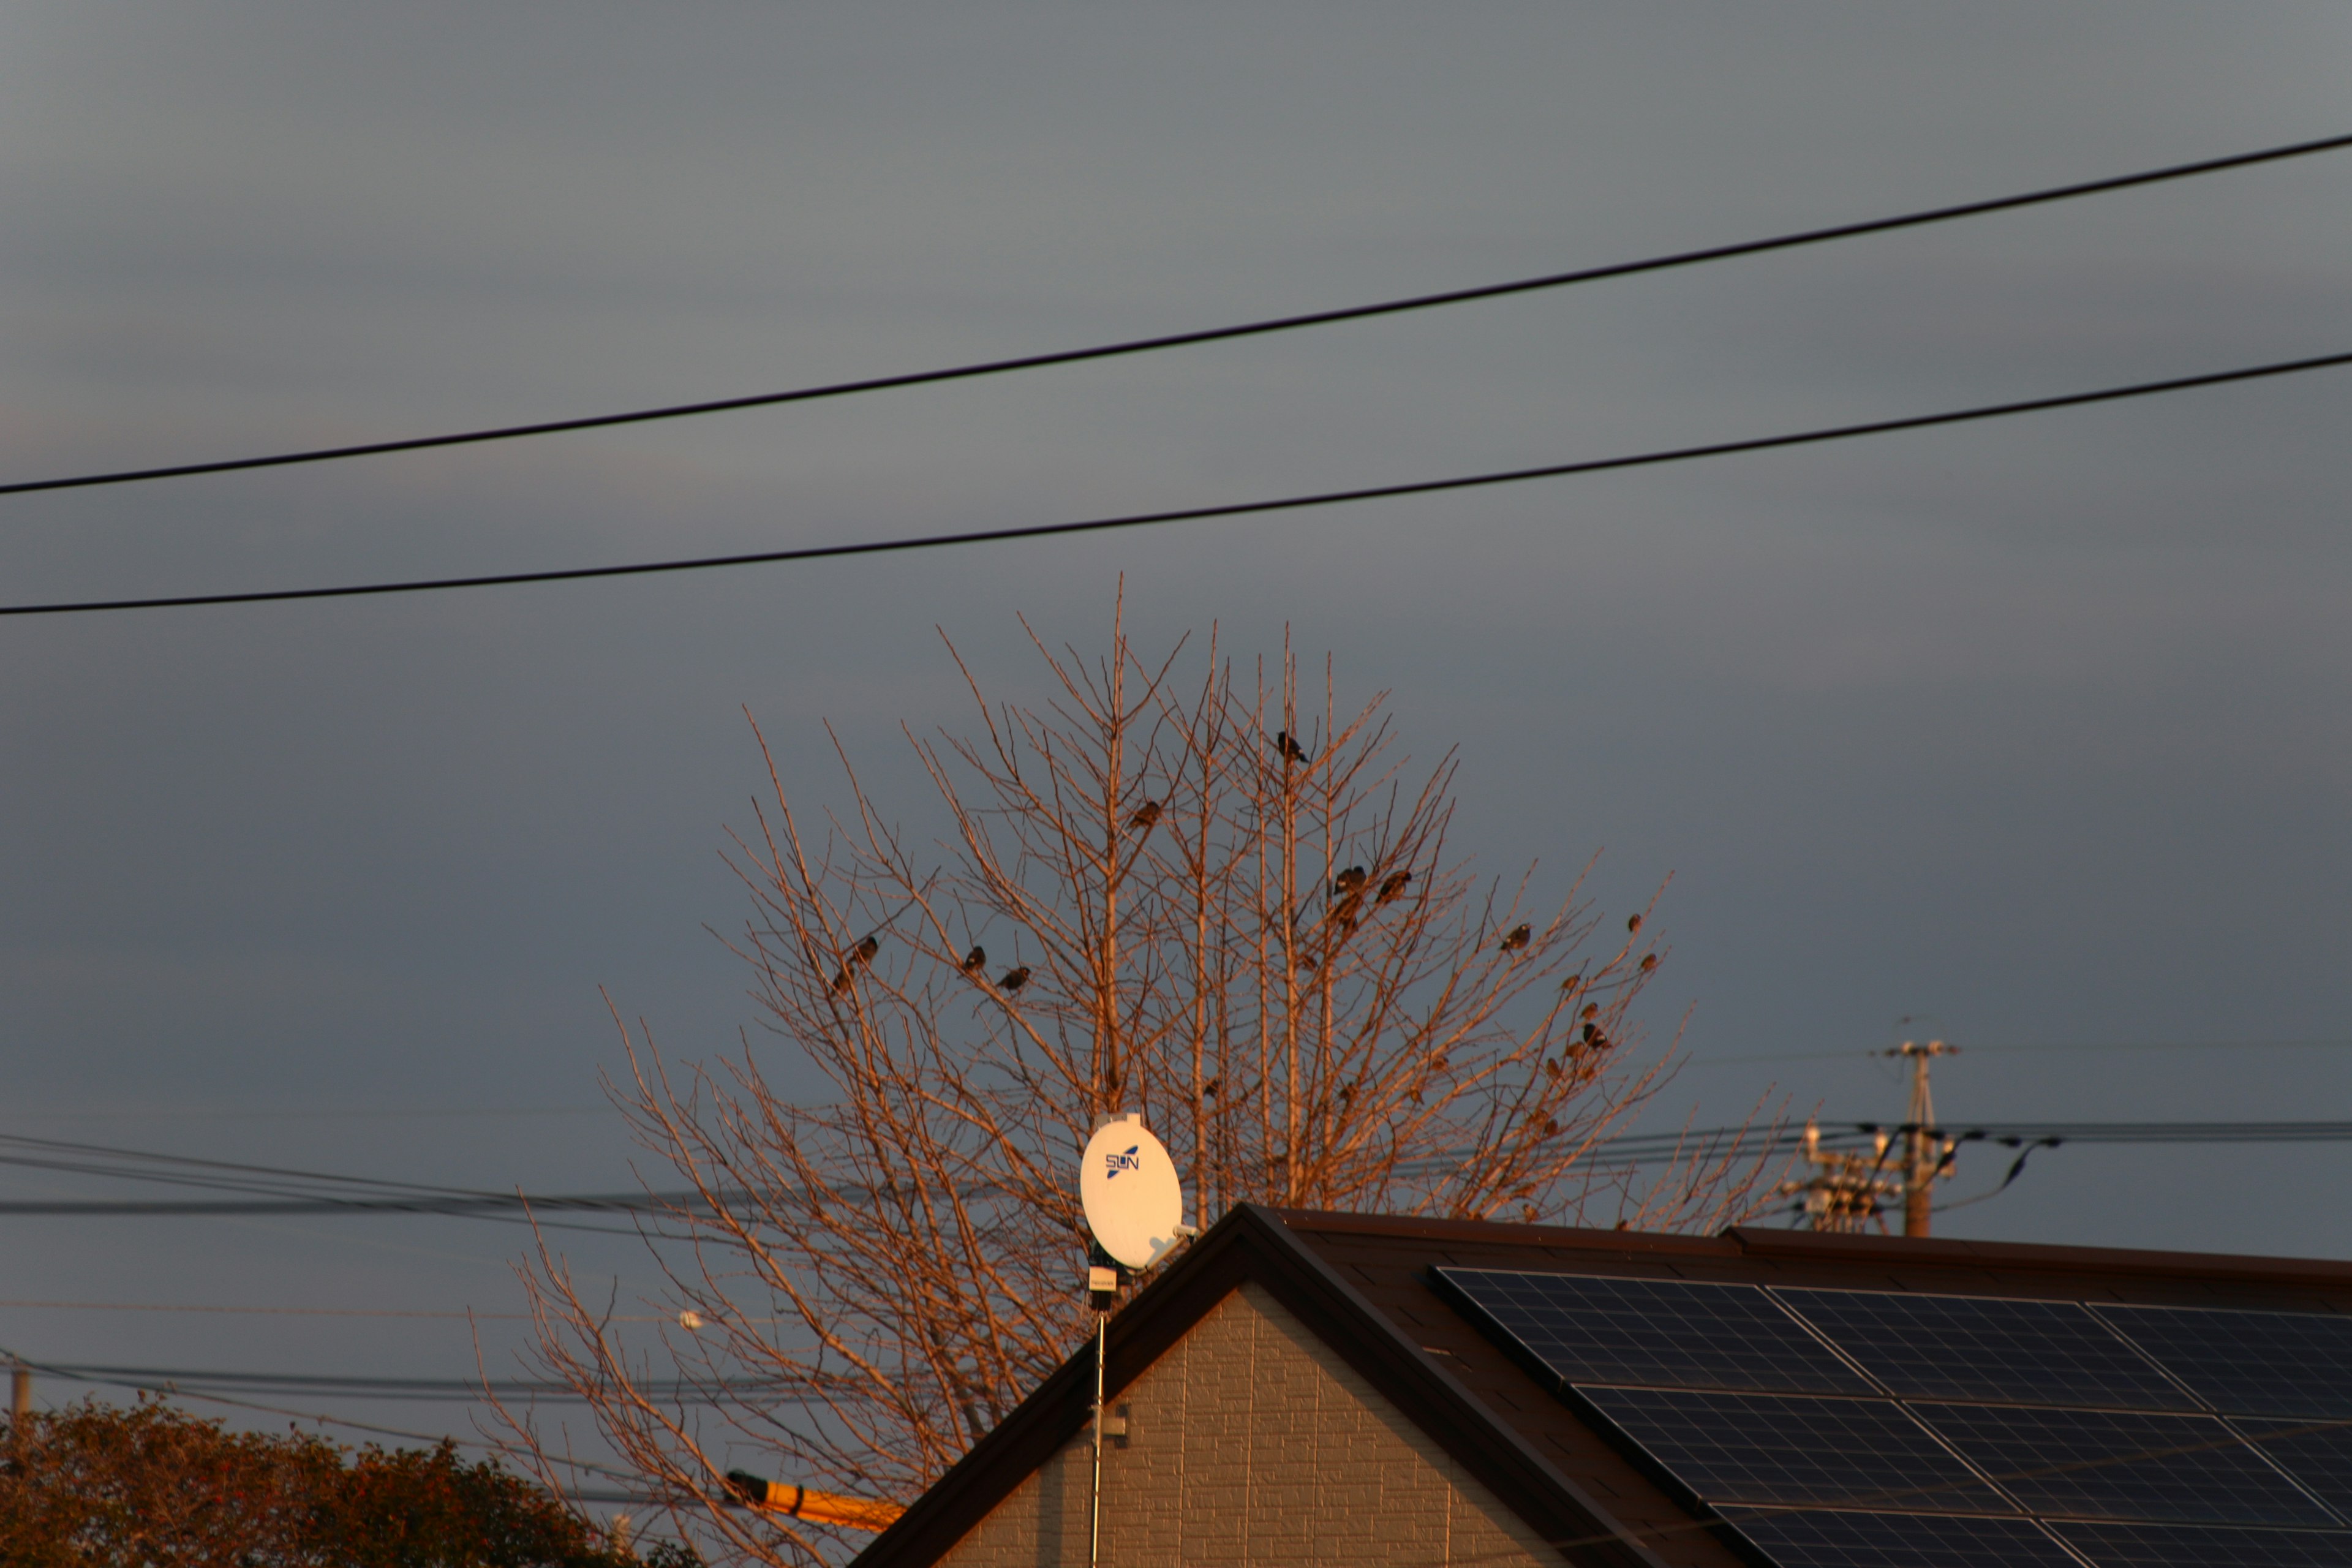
<point x="271" y="1189"/>
<point x="465" y="1317"/>
<point x="1206" y="335"/>
<point x="1617" y="1153"/>
<point x="492" y="1206"/>
<point x="1850" y="1054"/>
<point x="428" y="1389"/>
<point x="1203" y="513"/>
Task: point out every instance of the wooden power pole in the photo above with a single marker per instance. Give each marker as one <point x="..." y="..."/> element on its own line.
<point x="1926" y="1153"/>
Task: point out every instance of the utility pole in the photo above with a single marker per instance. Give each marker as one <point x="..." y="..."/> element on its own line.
<point x="1852" y="1190"/>
<point x="1927" y="1153"/>
<point x="20" y="1393"/>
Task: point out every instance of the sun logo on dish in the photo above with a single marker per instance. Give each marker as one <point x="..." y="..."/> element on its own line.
<point x="1115" y="1164"/>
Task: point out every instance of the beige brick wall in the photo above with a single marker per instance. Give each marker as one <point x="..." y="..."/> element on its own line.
<point x="1250" y="1442"/>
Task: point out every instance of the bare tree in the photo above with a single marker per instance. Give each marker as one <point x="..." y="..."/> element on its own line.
<point x="1212" y="900"/>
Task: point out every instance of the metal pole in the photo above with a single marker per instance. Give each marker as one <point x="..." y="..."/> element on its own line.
<point x="1094" y="1522"/>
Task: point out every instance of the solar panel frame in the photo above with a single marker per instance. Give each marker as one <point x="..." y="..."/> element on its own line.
<point x="2160" y="1467"/>
<point x="1821" y="1538"/>
<point x="1717" y="1447"/>
<point x="1728" y="1337"/>
<point x="2247" y="1362"/>
<point x="1988" y="1349"/>
<point x="2126" y="1543"/>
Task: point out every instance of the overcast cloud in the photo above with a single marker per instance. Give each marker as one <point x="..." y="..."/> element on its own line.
<point x="2035" y="732"/>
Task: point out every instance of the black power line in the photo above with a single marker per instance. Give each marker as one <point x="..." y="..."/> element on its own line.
<point x="1207" y="335"/>
<point x="1195" y="514"/>
<point x="1617" y="1153"/>
<point x="426" y="1390"/>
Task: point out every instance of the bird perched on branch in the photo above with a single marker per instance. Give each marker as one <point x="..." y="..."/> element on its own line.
<point x="1649" y="961"/>
<point x="1339" y="925"/>
<point x="1348" y="882"/>
<point x="1289" y="746"/>
<point x="1516" y="938"/>
<point x="1633" y="922"/>
<point x="862" y="953"/>
<point x="1392" y="885"/>
<point x="1014" y="979"/>
<point x="1145" y="815"/>
<point x="974" y="959"/>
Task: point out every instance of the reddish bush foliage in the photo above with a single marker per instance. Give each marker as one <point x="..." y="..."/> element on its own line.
<point x="154" y="1486"/>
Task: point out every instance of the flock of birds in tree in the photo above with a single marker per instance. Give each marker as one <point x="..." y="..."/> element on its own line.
<point x="1340" y="920"/>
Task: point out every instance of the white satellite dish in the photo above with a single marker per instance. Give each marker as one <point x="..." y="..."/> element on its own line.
<point x="1134" y="1204"/>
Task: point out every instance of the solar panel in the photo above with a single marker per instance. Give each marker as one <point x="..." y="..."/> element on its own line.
<point x="2316" y="1453"/>
<point x="1973" y="1347"/>
<point x="1772" y="1449"/>
<point x="2113" y="1464"/>
<point x="2194" y="1546"/>
<point x="1659" y="1332"/>
<point x="2249" y="1363"/>
<point x="1822" y="1539"/>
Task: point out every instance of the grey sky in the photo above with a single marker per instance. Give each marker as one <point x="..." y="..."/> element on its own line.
<point x="2036" y="730"/>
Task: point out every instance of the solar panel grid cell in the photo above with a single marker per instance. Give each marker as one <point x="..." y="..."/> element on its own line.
<point x="1977" y="1348"/>
<point x="2249" y="1363"/>
<point x="1771" y="1448"/>
<point x="1657" y="1334"/>
<point x="2318" y="1454"/>
<point x="1822" y="1539"/>
<point x="2194" y="1546"/>
<point x="2113" y="1464"/>
<point x="2110" y="1453"/>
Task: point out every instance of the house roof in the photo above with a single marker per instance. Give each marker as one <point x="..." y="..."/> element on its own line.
<point x="1364" y="1284"/>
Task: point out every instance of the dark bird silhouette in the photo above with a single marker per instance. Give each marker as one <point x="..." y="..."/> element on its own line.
<point x="1649" y="961"/>
<point x="1209" y="1088"/>
<point x="1014" y="979"/>
<point x="1392" y="885"/>
<point x="862" y="953"/>
<point x="1517" y="940"/>
<point x="974" y="959"/>
<point x="1590" y="1031"/>
<point x="1593" y="1009"/>
<point x="1571" y="982"/>
<point x="1289" y="746"/>
<point x="1633" y="922"/>
<point x="1145" y="814"/>
<point x="1348" y="882"/>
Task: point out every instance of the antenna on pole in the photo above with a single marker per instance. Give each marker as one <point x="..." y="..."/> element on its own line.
<point x="1135" y="1208"/>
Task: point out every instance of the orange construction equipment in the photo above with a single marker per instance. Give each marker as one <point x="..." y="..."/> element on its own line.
<point x="820" y="1508"/>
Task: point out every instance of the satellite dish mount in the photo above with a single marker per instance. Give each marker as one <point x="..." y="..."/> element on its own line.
<point x="1135" y="1209"/>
